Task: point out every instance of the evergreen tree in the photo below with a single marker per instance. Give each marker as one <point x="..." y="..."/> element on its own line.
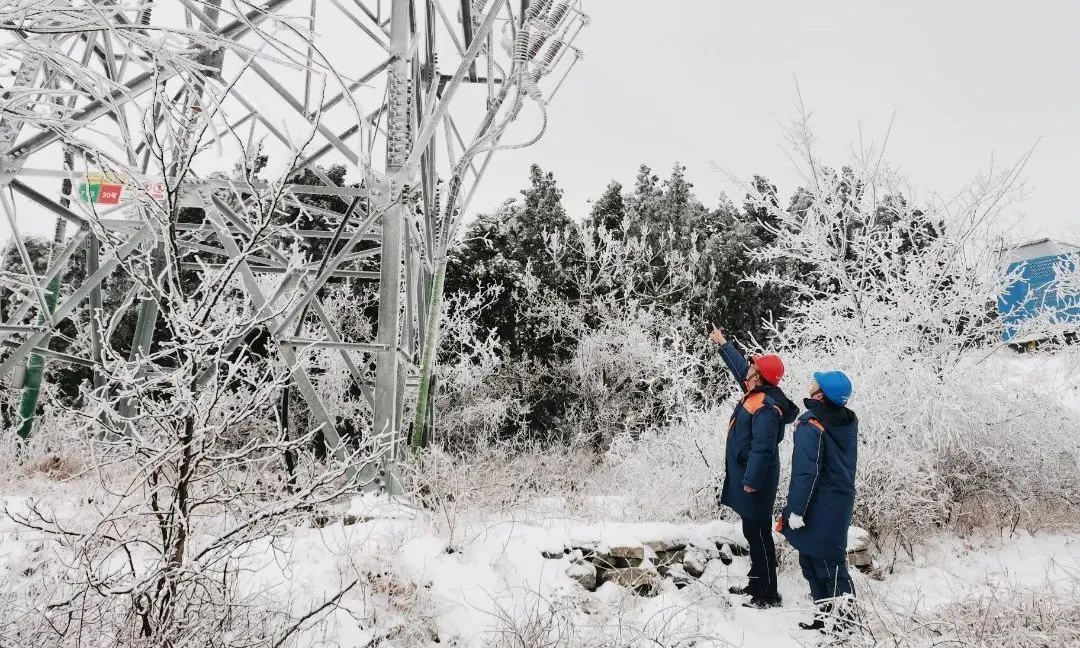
<point x="501" y="249"/>
<point x="609" y="211"/>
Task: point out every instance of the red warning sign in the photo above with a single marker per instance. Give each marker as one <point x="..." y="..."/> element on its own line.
<point x="109" y="194"/>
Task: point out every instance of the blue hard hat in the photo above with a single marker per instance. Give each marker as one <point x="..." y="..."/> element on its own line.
<point x="835" y="385"/>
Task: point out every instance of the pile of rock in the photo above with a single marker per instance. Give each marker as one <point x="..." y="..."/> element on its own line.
<point x="644" y="567"/>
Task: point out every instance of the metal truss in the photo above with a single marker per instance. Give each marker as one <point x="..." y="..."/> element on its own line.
<point x="146" y="93"/>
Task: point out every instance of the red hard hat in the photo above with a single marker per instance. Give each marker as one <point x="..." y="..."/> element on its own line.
<point x="771" y="367"/>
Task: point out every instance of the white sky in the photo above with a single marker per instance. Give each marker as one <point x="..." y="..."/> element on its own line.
<point x="712" y="81"/>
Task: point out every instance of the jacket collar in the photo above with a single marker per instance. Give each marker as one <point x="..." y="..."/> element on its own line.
<point x="829" y="414"/>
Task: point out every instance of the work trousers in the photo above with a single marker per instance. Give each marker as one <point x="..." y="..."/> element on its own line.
<point x="828" y="579"/>
<point x="762" y="558"/>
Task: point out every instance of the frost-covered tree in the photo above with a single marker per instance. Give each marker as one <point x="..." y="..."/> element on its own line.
<point x="190" y="476"/>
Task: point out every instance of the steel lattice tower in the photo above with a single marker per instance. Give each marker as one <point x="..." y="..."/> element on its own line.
<point x="110" y="101"/>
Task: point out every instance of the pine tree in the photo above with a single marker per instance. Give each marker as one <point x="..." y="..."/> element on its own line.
<point x="501" y="249"/>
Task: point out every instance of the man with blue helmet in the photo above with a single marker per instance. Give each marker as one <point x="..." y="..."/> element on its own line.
<point x="821" y="496"/>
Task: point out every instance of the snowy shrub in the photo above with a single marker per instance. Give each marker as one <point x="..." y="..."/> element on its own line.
<point x="669" y="473"/>
<point x="466" y="488"/>
<point x="903" y="299"/>
<point x="473" y="403"/>
<point x="634" y="373"/>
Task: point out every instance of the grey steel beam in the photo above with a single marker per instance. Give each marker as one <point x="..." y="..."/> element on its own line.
<point x="361" y="26"/>
<point x="95" y="109"/>
<point x="65" y="309"/>
<point x="370" y="14"/>
<point x="467" y="32"/>
<point x="264" y="269"/>
<point x="56" y="355"/>
<point x="48" y="203"/>
<point x="330" y="344"/>
<point x="451" y="87"/>
<point x="276" y="85"/>
<point x="144" y="81"/>
<point x="332" y="266"/>
<point x="299" y="375"/>
<point x="219" y="183"/>
<point x="316" y="307"/>
<point x="333" y="101"/>
<point x="382" y="474"/>
<point x="19" y="328"/>
<point x="118" y="224"/>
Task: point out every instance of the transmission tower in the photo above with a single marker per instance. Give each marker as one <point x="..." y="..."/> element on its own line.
<point x="119" y="116"/>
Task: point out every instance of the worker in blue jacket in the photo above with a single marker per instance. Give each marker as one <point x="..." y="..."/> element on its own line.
<point x="752" y="463"/>
<point x="821" y="496"/>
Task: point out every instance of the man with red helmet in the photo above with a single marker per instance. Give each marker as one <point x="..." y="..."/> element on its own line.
<point x="752" y="463"/>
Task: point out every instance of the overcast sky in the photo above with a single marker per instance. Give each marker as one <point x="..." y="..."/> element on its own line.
<point x="712" y="81"/>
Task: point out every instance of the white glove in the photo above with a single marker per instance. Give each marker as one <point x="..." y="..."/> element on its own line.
<point x="795" y="521"/>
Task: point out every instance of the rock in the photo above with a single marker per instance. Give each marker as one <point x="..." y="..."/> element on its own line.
<point x="857" y="539"/>
<point x="670" y="557"/>
<point x="665" y="546"/>
<point x="710" y="551"/>
<point x="628" y="553"/>
<point x="620" y="557"/>
<point x="554" y="555"/>
<point x="860" y="552"/>
<point x="323" y="519"/>
<point x="861" y="559"/>
<point x="605" y="561"/>
<point x="584" y="573"/>
<point x="725" y="554"/>
<point x="694" y="562"/>
<point x="677" y="575"/>
<point x="643" y="580"/>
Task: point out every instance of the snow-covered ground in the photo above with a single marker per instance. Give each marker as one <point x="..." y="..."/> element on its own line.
<point x="414" y="588"/>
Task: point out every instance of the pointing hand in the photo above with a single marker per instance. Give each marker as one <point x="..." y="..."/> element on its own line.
<point x="717" y="335"/>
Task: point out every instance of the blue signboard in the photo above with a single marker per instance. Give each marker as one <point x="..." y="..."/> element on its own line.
<point x="1035" y="293"/>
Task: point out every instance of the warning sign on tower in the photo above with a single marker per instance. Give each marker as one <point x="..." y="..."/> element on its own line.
<point x="106" y="189"/>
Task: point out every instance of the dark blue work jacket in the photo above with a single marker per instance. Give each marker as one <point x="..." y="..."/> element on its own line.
<point x="755" y="430"/>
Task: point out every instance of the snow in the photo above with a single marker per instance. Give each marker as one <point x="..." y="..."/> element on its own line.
<point x="950" y="569"/>
<point x="496" y="576"/>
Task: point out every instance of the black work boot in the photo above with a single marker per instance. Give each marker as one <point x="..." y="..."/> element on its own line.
<point x="765" y="602"/>
<point x="824" y="611"/>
